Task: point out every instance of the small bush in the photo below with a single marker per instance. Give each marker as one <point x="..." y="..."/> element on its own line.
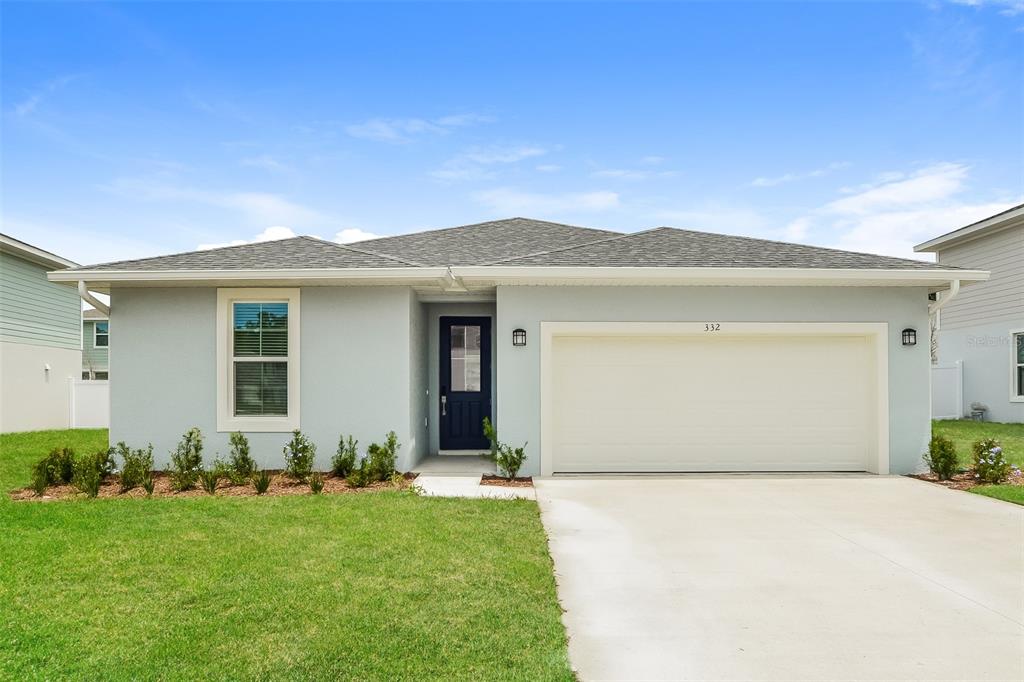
<point x="360" y="476"/>
<point x="40" y="478"/>
<point x="187" y="460"/>
<point x="57" y="467"/>
<point x="148" y="484"/>
<point x="261" y="482"/>
<point x="941" y="457"/>
<point x="316" y="482"/>
<point x="509" y="460"/>
<point x="381" y="458"/>
<point x="298" y="457"/>
<point x="209" y="478"/>
<point x="136" y="465"/>
<point x="345" y="460"/>
<point x="240" y="466"/>
<point x="88" y="475"/>
<point x="492" y="435"/>
<point x="990" y="465"/>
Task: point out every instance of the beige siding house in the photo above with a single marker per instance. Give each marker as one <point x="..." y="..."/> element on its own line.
<point x="982" y="328"/>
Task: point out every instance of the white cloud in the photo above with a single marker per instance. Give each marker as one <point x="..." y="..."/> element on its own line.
<point x="474" y="163"/>
<point x="28" y="105"/>
<point x="653" y="160"/>
<point x="267" y="163"/>
<point x="631" y="174"/>
<point x="354" y="234"/>
<point x="399" y="130"/>
<point x="1009" y="8"/>
<point x="548" y="168"/>
<point x="510" y="201"/>
<point x="793" y="177"/>
<point x="268" y="235"/>
<point x="897" y="211"/>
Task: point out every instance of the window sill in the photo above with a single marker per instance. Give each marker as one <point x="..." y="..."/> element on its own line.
<point x="258" y="424"/>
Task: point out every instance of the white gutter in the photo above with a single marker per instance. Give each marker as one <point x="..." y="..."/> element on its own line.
<point x="87" y="296"/>
<point x="954" y="289"/>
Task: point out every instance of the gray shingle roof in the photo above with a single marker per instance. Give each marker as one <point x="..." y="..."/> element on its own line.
<point x="295" y="253"/>
<point x="484" y="242"/>
<point x="669" y="247"/>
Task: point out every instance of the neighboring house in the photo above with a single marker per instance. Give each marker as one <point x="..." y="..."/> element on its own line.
<point x="40" y="339"/>
<point x="663" y="350"/>
<point x="983" y="327"/>
<point x="95" y="345"/>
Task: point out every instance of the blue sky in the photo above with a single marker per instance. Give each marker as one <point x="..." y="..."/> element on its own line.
<point x="138" y="129"/>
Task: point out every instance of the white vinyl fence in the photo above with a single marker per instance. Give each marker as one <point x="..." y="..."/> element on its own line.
<point x="948" y="391"/>
<point x="90" y="404"/>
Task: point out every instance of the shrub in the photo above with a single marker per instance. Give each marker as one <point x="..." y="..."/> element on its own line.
<point x="298" y="457"/>
<point x="187" y="460"/>
<point x="990" y="465"/>
<point x="492" y="435"/>
<point x="345" y="460"/>
<point x="261" y="482"/>
<point x="941" y="457"/>
<point x="148" y="484"/>
<point x="88" y="475"/>
<point x="209" y="478"/>
<point x="381" y="458"/>
<point x="40" y="478"/>
<point x="316" y="482"/>
<point x="360" y="476"/>
<point x="137" y="465"/>
<point x="56" y="467"/>
<point x="240" y="466"/>
<point x="508" y="459"/>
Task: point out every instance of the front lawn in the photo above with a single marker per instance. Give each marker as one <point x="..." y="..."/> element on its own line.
<point x="964" y="433"/>
<point x="371" y="586"/>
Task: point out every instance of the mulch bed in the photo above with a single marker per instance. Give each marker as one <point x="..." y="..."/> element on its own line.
<point x="965" y="480"/>
<point x="521" y="482"/>
<point x="280" y="485"/>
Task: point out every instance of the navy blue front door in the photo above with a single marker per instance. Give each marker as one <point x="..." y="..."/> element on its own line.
<point x="465" y="382"/>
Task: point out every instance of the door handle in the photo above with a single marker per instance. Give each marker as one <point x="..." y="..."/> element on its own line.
<point x="444" y="405"/>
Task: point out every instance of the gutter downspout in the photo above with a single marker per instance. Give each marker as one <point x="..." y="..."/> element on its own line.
<point x="954" y="289"/>
<point x="84" y="292"/>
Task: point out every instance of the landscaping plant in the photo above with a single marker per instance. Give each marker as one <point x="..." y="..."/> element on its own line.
<point x="136" y="465"/>
<point x="209" y="478"/>
<point x="90" y="470"/>
<point x="261" y="482"/>
<point x="941" y="457"/>
<point x="492" y="435"/>
<point x="360" y="476"/>
<point x="148" y="484"/>
<point x="316" y="482"/>
<point x="241" y="466"/>
<point x="56" y="467"/>
<point x="990" y="465"/>
<point x="345" y="459"/>
<point x="187" y="460"/>
<point x="40" y="480"/>
<point x="381" y="458"/>
<point x="298" y="457"/>
<point x="509" y="460"/>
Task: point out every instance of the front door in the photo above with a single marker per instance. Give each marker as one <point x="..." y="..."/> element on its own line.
<point x="465" y="382"/>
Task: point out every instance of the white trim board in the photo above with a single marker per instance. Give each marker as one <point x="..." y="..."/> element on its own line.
<point x="877" y="334"/>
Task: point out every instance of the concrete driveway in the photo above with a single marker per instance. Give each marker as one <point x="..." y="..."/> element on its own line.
<point x="786" y="578"/>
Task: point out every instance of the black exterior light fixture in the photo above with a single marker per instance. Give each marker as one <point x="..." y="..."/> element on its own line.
<point x="518" y="337"/>
<point x="909" y="337"/>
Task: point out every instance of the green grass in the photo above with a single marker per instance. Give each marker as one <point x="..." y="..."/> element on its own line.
<point x="368" y="586"/>
<point x="964" y="433"/>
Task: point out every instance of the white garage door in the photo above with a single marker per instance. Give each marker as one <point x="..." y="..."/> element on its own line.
<point x="745" y="402"/>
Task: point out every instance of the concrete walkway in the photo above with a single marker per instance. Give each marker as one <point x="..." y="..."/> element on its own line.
<point x="452" y="485"/>
<point x="786" y="578"/>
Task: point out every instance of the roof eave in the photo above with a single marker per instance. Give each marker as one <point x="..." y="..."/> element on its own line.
<point x="992" y="224"/>
<point x="33" y="253"/>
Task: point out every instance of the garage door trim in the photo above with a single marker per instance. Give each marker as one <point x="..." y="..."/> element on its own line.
<point x="877" y="334"/>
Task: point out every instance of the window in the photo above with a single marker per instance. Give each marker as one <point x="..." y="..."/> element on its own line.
<point x="257" y="359"/>
<point x="465" y="358"/>
<point x="101" y="334"/>
<point x="1017" y="348"/>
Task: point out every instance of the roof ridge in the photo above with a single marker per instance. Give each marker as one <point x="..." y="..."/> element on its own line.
<point x="573" y="246"/>
<point x="484" y="222"/>
<point x="365" y="252"/>
<point x="185" y="253"/>
<point x="805" y="246"/>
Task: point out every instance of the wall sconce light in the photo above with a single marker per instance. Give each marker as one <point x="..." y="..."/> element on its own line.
<point x="518" y="337"/>
<point x="909" y="337"/>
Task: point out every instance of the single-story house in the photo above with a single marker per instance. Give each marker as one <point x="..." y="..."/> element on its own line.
<point x="980" y="335"/>
<point x="95" y="345"/>
<point x="663" y="350"/>
<point x="40" y="339"/>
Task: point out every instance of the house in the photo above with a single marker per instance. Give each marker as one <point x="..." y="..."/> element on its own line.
<point x="983" y="328"/>
<point x="662" y="350"/>
<point x="95" y="345"/>
<point x="40" y="339"/>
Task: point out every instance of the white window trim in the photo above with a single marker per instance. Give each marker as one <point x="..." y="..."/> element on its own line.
<point x="226" y="419"/>
<point x="96" y="333"/>
<point x="1014" y="398"/>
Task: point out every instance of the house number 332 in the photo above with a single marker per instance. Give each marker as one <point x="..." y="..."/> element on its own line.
<point x="712" y="327"/>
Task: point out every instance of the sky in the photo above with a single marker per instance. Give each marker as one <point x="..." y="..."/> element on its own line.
<point x="140" y="129"/>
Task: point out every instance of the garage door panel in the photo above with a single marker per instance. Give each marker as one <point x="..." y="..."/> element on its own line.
<point x="752" y="403"/>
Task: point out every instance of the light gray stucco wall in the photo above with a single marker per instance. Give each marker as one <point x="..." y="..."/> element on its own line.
<point x="355" y="366"/>
<point x="434" y="313"/>
<point x="518" y="380"/>
<point x="987" y="356"/>
<point x="418" y="382"/>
